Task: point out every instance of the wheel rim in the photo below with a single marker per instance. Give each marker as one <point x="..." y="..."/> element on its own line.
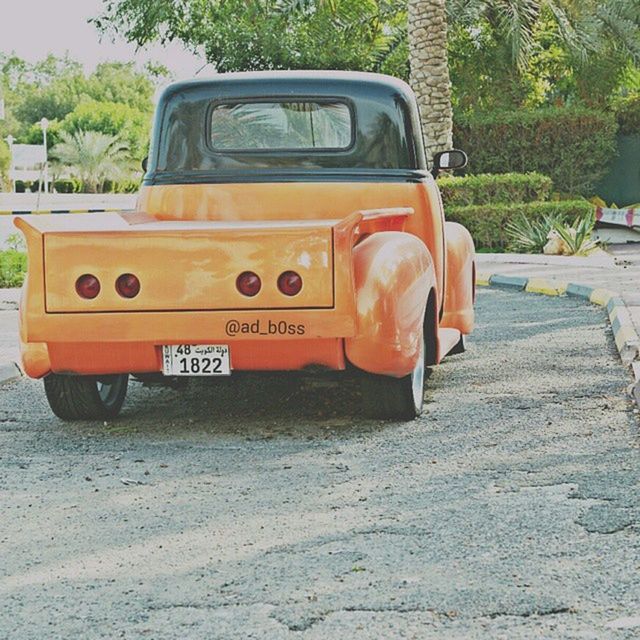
<point x="109" y="389"/>
<point x="417" y="379"/>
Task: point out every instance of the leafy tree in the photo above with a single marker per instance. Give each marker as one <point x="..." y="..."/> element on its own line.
<point x="113" y="119"/>
<point x="584" y="26"/>
<point x="91" y="156"/>
<point x="49" y="88"/>
<point x="240" y="35"/>
<point x="119" y="82"/>
<point x="54" y="87"/>
<point x="502" y="53"/>
<point x="542" y="50"/>
<point x="33" y="134"/>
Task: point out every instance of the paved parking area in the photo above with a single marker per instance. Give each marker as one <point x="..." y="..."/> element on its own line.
<point x="9" y="350"/>
<point x="265" y="507"/>
<point x="618" y="270"/>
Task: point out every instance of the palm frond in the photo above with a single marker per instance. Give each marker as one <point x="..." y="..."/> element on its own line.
<point x="517" y="21"/>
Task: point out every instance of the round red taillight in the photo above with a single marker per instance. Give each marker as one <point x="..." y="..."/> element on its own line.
<point x="290" y="283"/>
<point x="87" y="286"/>
<point x="127" y="285"/>
<point x="248" y="283"/>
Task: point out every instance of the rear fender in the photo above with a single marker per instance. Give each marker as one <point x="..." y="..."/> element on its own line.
<point x="394" y="275"/>
<point x="35" y="355"/>
<point x="459" y="279"/>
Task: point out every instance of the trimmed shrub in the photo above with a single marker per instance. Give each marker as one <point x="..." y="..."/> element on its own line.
<point x="573" y="146"/>
<point x="67" y="185"/>
<point x="487" y="223"/>
<point x="13" y="267"/>
<point x="73" y="185"/>
<point x="64" y="185"/>
<point x="495" y="188"/>
<point x="121" y="186"/>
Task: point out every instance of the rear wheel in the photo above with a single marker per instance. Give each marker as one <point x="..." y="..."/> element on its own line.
<point x="395" y="398"/>
<point x="75" y="397"/>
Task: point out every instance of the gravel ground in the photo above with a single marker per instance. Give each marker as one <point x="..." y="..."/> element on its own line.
<point x="264" y="507"/>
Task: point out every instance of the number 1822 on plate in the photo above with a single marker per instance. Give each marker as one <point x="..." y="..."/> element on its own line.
<point x="196" y="360"/>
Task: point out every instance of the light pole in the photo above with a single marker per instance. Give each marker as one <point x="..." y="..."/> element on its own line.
<point x="44" y="125"/>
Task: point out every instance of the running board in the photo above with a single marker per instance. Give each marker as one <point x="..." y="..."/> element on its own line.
<point x="448" y="339"/>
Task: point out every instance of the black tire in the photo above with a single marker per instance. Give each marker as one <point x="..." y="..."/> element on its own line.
<point x="86" y="397"/>
<point x="395" y="398"/>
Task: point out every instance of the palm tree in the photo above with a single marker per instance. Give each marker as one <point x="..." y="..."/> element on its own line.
<point x="92" y="157"/>
<point x="584" y="26"/>
<point x="587" y="28"/>
<point x="430" y="71"/>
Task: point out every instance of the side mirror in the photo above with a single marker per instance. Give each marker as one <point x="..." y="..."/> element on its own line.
<point x="447" y="160"/>
<point x="144" y="163"/>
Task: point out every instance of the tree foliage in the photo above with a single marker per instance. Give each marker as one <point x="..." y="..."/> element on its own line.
<point x="91" y="156"/>
<point x="246" y="35"/>
<point x="113" y="119"/>
<point x="503" y="53"/>
<point x="53" y="87"/>
<point x="116" y="99"/>
<point x="534" y="52"/>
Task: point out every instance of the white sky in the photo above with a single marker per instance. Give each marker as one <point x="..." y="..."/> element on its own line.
<point x="35" y="28"/>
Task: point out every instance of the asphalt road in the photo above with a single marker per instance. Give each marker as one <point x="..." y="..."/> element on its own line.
<point x="265" y="507"/>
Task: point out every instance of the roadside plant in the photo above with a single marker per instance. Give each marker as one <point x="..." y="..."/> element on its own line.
<point x="529" y="235"/>
<point x="576" y="237"/>
<point x="13" y="268"/>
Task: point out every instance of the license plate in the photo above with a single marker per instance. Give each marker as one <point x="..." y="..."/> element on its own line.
<point x="196" y="360"/>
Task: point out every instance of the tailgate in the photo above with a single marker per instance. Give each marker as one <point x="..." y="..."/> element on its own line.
<point x="190" y="265"/>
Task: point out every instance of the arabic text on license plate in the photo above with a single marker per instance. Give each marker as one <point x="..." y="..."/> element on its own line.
<point x="196" y="360"/>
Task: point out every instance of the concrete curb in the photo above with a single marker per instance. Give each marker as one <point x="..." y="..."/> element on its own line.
<point x="9" y="371"/>
<point x="42" y="212"/>
<point x="624" y="333"/>
<point x="514" y="282"/>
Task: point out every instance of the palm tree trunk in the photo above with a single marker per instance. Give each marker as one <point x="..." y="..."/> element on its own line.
<point x="430" y="72"/>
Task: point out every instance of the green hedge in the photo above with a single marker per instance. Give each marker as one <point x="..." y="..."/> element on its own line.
<point x="13" y="266"/>
<point x="122" y="186"/>
<point x="573" y="146"/>
<point x="487" y="222"/>
<point x="495" y="188"/>
<point x="70" y="185"/>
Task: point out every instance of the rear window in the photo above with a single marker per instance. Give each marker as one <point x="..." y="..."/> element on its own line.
<point x="281" y="125"/>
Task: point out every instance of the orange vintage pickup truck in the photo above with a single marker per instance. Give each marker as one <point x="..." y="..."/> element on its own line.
<point x="286" y="220"/>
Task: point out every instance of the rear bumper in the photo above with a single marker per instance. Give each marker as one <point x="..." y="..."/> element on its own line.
<point x="91" y="343"/>
<point x="91" y="358"/>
